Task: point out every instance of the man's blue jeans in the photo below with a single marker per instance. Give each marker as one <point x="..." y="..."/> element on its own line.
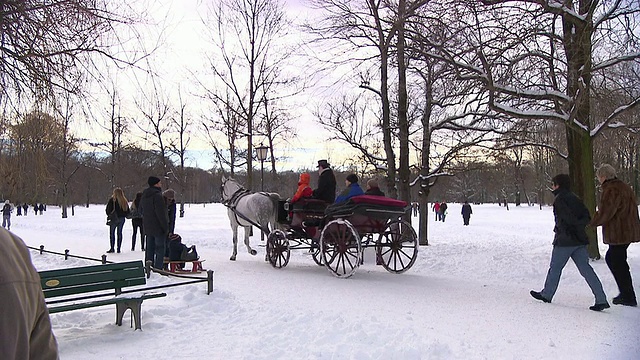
<point x="155" y="250"/>
<point x="580" y="257"/>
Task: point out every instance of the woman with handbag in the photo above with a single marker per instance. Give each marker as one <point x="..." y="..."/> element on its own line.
<point x="117" y="211"/>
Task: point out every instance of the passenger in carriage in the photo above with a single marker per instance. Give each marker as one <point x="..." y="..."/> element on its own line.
<point x="304" y="190"/>
<point x="353" y="189"/>
<point x="373" y="189"/>
<point x="326" y="183"/>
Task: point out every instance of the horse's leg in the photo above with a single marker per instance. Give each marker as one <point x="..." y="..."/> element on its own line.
<point x="234" y="229"/>
<point x="246" y="241"/>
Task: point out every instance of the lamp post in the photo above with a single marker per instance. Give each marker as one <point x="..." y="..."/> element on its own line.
<point x="261" y="153"/>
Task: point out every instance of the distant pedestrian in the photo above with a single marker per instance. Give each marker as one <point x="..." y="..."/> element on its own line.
<point x="6" y="215"/>
<point x="570" y="241"/>
<point x="466" y="212"/>
<point x="118" y="205"/>
<point x="25" y="326"/>
<point x="415" y="207"/>
<point x="156" y="221"/>
<point x="618" y="215"/>
<point x="436" y="209"/>
<point x="41" y="208"/>
<point x="443" y="211"/>
<point x="136" y="222"/>
<point x="18" y="210"/>
<point x="25" y="207"/>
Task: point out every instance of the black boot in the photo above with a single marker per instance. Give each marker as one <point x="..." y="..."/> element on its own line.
<point x="538" y="296"/>
<point x="599" y="307"/>
<point x="626" y="301"/>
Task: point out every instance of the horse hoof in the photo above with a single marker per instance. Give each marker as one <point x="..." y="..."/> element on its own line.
<point x="253" y="252"/>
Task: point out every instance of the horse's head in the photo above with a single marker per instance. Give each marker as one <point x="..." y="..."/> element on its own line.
<point x="228" y="188"/>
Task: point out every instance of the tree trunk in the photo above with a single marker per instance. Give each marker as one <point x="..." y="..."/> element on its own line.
<point x="577" y="43"/>
<point x="403" y="123"/>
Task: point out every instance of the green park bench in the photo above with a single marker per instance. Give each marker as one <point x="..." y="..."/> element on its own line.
<point x="97" y="285"/>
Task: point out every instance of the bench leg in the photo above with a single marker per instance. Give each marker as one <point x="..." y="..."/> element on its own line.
<point x="135" y="306"/>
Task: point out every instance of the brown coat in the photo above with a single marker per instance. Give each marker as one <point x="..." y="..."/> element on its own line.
<point x="25" y="328"/>
<point x="617" y="214"/>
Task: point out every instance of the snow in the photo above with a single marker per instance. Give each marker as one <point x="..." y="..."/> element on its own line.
<point x="467" y="297"/>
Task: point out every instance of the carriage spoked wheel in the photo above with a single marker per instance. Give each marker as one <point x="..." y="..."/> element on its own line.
<point x="278" y="251"/>
<point x="316" y="254"/>
<point x="341" y="248"/>
<point x="397" y="247"/>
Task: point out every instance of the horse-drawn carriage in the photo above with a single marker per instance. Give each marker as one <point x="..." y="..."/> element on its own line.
<point x="337" y="235"/>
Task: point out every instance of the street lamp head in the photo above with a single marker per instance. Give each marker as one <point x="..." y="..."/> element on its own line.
<point x="261" y="152"/>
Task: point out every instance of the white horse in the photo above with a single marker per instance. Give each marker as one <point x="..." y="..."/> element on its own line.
<point x="245" y="209"/>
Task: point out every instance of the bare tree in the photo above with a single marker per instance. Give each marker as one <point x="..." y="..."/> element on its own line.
<point x="245" y="34"/>
<point x="43" y="42"/>
<point x="182" y="124"/>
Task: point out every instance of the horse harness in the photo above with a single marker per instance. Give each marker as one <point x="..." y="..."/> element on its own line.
<point x="233" y="202"/>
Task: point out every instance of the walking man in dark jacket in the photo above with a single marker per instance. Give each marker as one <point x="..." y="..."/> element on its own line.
<point x="326" y="183"/>
<point x="570" y="241"/>
<point x="466" y="212"/>
<point x="155" y="221"/>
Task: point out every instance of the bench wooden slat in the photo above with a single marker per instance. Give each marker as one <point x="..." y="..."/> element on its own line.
<point x="93" y="268"/>
<point x="80" y="289"/>
<point x="78" y="279"/>
<point x="86" y="305"/>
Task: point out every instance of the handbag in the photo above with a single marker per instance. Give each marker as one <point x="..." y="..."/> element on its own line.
<point x="112" y="218"/>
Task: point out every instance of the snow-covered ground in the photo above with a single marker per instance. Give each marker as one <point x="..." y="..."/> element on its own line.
<point x="467" y="297"/>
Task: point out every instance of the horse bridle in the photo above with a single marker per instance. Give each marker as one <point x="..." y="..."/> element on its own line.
<point x="230" y="203"/>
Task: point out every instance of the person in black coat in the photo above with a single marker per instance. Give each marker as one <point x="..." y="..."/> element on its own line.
<point x="570" y="241"/>
<point x="326" y="183"/>
<point x="155" y="221"/>
<point x="136" y="222"/>
<point x="118" y="206"/>
<point x="179" y="251"/>
<point x="373" y="188"/>
<point x="466" y="212"/>
<point x="169" y="196"/>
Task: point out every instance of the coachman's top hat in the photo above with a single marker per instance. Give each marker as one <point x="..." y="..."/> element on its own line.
<point x="323" y="164"/>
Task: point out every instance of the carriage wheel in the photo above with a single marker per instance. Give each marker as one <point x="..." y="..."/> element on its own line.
<point x="278" y="251"/>
<point x="317" y="255"/>
<point x="397" y="247"/>
<point x="341" y="248"/>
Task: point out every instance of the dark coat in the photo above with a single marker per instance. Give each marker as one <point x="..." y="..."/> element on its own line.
<point x="466" y="211"/>
<point x="171" y="211"/>
<point x="155" y="218"/>
<point x="617" y="213"/>
<point x="374" y="191"/>
<point x="571" y="217"/>
<point x="175" y="250"/>
<point x="326" y="186"/>
<point x="119" y="211"/>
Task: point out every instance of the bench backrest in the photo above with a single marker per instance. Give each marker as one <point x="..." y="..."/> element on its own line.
<point x="85" y="279"/>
